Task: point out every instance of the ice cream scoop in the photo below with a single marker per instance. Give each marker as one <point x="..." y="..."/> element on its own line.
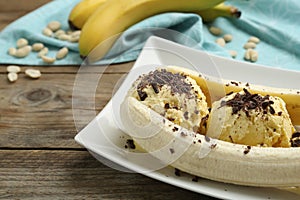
<point x="251" y="119"/>
<point x="175" y="96"/>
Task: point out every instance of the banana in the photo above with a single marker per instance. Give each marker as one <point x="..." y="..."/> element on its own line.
<point x="112" y="18"/>
<point x="211" y="158"/>
<point x="82" y="11"/>
<point x="220" y="10"/>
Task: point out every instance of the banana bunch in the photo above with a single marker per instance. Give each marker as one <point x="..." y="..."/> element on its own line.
<point x="102" y="21"/>
<point x="212" y="158"/>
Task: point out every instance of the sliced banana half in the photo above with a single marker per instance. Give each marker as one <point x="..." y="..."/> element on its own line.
<point x="211" y="158"/>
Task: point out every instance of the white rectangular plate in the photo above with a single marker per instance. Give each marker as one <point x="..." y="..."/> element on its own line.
<point x="106" y="141"/>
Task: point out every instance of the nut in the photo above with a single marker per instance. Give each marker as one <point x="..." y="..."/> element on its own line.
<point x="251" y="55"/>
<point x="47" y="59"/>
<point x="64" y="37"/>
<point x="23" y="52"/>
<point x="215" y="30"/>
<point x="250" y="45"/>
<point x="254" y="39"/>
<point x="62" y="53"/>
<point x="47" y="32"/>
<point x="13" y="68"/>
<point x="232" y="53"/>
<point x="12" y="51"/>
<point x="59" y="32"/>
<point x="74" y="39"/>
<point x="12" y="76"/>
<point x="227" y="37"/>
<point x="37" y="46"/>
<point x="54" y="25"/>
<point x="220" y="41"/>
<point x="43" y="52"/>
<point x="33" y="73"/>
<point x="22" y="42"/>
<point x="76" y="33"/>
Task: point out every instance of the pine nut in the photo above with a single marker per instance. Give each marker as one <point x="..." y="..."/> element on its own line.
<point x="47" y="59"/>
<point x="37" y="46"/>
<point x="43" y="52"/>
<point x="12" y="76"/>
<point x="22" y="42"/>
<point x="47" y="32"/>
<point x="33" y="73"/>
<point x="59" y="32"/>
<point x="227" y="37"/>
<point x="250" y="45"/>
<point x="232" y="53"/>
<point x="64" y="37"/>
<point x="62" y="53"/>
<point x="215" y="30"/>
<point x="254" y="39"/>
<point x="221" y="42"/>
<point x="23" y="52"/>
<point x="54" y="25"/>
<point x="13" y="68"/>
<point x="12" y="51"/>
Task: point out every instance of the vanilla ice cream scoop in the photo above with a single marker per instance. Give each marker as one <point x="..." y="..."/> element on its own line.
<point x="175" y="96"/>
<point x="251" y="119"/>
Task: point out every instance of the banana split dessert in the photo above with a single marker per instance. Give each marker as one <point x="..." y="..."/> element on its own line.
<point x="248" y="131"/>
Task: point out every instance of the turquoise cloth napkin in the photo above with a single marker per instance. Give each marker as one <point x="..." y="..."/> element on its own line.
<point x="274" y="22"/>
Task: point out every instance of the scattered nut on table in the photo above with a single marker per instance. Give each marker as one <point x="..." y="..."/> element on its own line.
<point x="221" y="42"/>
<point x="215" y="30"/>
<point x="232" y="53"/>
<point x="250" y="45"/>
<point x="33" y="73"/>
<point x="37" y="46"/>
<point x="251" y="55"/>
<point x="59" y="32"/>
<point x="62" y="53"/>
<point x="23" y="51"/>
<point x="43" y="52"/>
<point x="12" y="77"/>
<point x="48" y="59"/>
<point x="13" y="68"/>
<point x="254" y="39"/>
<point x="47" y="32"/>
<point x="227" y="37"/>
<point x="22" y="42"/>
<point x="12" y="51"/>
<point x="54" y="25"/>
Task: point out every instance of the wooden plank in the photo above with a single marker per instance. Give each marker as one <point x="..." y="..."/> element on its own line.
<point x="75" y="175"/>
<point x="17" y="5"/>
<point x="73" y="69"/>
<point x="38" y="113"/>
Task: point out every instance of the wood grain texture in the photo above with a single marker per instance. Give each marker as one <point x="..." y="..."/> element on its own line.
<point x="75" y="175"/>
<point x="39" y="158"/>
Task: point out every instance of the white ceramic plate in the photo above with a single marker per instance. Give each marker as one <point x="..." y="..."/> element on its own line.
<point x="103" y="137"/>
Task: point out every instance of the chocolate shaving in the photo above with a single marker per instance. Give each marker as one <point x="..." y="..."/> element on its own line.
<point x="248" y="101"/>
<point x="159" y="78"/>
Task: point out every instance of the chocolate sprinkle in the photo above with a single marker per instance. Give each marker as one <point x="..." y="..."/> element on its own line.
<point x="130" y="144"/>
<point x="248" y="101"/>
<point x="159" y="78"/>
<point x="295" y="140"/>
<point x="247" y="149"/>
<point x="172" y="150"/>
<point x="177" y="172"/>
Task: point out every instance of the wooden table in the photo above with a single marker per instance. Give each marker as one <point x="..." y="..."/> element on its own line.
<point x="39" y="158"/>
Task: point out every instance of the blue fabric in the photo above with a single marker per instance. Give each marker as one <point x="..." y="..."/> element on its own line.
<point x="274" y="22"/>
